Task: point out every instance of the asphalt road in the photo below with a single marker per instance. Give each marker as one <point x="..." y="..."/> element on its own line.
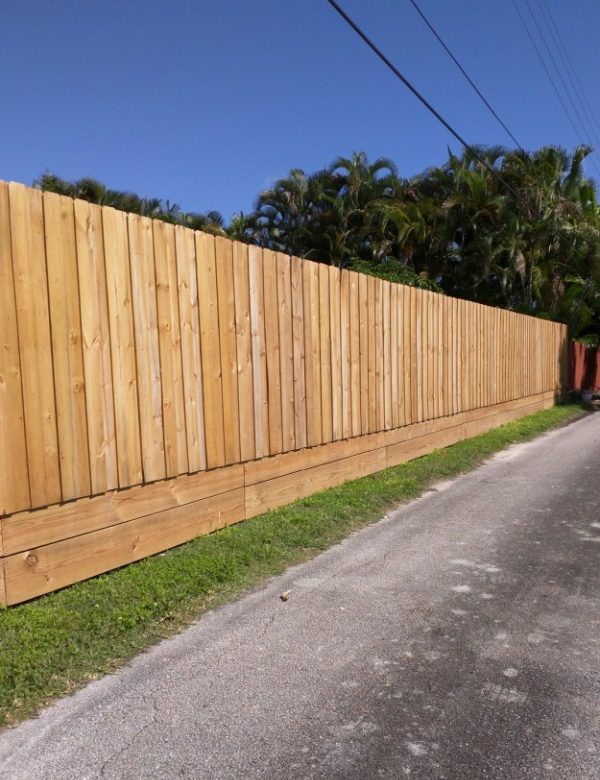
<point x="458" y="638"/>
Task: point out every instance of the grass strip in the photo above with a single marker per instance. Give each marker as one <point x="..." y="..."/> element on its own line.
<point x="57" y="643"/>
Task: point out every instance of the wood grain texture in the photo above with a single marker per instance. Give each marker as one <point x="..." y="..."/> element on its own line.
<point x="298" y="348"/>
<point x="345" y="355"/>
<point x="325" y="344"/>
<point x="364" y="345"/>
<point x="143" y="289"/>
<point x="122" y="340"/>
<point x="14" y="478"/>
<point x="96" y="346"/>
<point x="25" y="530"/>
<point x="379" y="357"/>
<point x="67" y="354"/>
<point x="271" y="309"/>
<point x="336" y="352"/>
<point x="312" y="353"/>
<point x="387" y="355"/>
<point x="355" y="356"/>
<point x="259" y="352"/>
<point x="43" y="569"/>
<point x="243" y="334"/>
<point x="191" y="359"/>
<point x="212" y="383"/>
<point x="286" y="351"/>
<point x="228" y="348"/>
<point x="35" y="343"/>
<point x="372" y="389"/>
<point x="280" y="491"/>
<point x="169" y="343"/>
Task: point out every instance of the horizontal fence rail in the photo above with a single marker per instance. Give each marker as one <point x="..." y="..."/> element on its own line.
<point x="142" y="356"/>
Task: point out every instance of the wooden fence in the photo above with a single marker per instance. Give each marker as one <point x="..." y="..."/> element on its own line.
<point x="157" y="383"/>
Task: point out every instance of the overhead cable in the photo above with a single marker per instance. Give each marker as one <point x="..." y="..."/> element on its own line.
<point x="351" y="23"/>
<point x="462" y="70"/>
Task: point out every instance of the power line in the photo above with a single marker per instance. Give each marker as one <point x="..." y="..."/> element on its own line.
<point x="462" y="70"/>
<point x="548" y="74"/>
<point x="570" y="68"/>
<point x="423" y="100"/>
<point x="556" y="68"/>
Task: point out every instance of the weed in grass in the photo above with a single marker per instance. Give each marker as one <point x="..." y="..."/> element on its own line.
<point x="55" y="644"/>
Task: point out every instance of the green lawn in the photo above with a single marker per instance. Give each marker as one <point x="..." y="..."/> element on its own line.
<point x="57" y="643"/>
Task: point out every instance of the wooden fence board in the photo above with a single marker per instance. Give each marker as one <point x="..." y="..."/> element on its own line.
<point x="14" y="480"/>
<point x="228" y="348"/>
<point x="96" y="346"/>
<point x="212" y="377"/>
<point x="26" y="530"/>
<point x="345" y="354"/>
<point x="169" y="342"/>
<point x="122" y="339"/>
<point x="67" y="355"/>
<point x="324" y="328"/>
<point x="394" y="354"/>
<point x="286" y="350"/>
<point x="298" y="353"/>
<point x="191" y="359"/>
<point x="402" y="387"/>
<point x="272" y="344"/>
<point x="47" y="568"/>
<point x="143" y="286"/>
<point x="407" y="353"/>
<point x="243" y="332"/>
<point x="386" y="310"/>
<point x="35" y="345"/>
<point x="259" y="352"/>
<point x="336" y="351"/>
<point x="312" y="352"/>
<point x="355" y="358"/>
<point x="271" y="494"/>
<point x="379" y="357"/>
<point x="364" y="345"/>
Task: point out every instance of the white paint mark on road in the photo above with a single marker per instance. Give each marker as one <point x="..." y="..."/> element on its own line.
<point x="535" y="638"/>
<point x="570" y="732"/>
<point x="511" y="672"/>
<point x="486" y="567"/>
<point x="461" y="589"/>
<point x="417" y="748"/>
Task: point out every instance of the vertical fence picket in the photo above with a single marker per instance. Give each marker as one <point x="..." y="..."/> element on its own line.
<point x="312" y="353"/>
<point x="14" y="479"/>
<point x="286" y="351"/>
<point x="122" y="339"/>
<point x="228" y="348"/>
<point x="298" y="349"/>
<point x="191" y="359"/>
<point x="169" y="344"/>
<point x="259" y="352"/>
<point x="324" y="328"/>
<point x="243" y="335"/>
<point x="212" y="383"/>
<point x="143" y="285"/>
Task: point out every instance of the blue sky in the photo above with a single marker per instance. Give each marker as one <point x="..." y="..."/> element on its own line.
<point x="207" y="103"/>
